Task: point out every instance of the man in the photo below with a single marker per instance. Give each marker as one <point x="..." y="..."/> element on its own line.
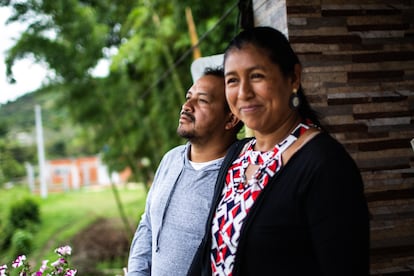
<point x="179" y="200"/>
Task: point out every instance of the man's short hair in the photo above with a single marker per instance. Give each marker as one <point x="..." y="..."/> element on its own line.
<point x="216" y="71"/>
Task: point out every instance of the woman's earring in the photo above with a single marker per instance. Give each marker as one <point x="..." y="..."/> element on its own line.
<point x="294" y="100"/>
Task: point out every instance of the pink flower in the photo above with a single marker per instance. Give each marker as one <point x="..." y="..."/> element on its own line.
<point x="42" y="268"/>
<point x="19" y="261"/>
<point x="64" y="250"/>
<point x="3" y="270"/>
<point x="71" y="272"/>
<point x="59" y="262"/>
<point x="58" y="268"/>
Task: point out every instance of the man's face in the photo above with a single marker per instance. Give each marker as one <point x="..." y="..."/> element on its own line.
<point x="204" y="114"/>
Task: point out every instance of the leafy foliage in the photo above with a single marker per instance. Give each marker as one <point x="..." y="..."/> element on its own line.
<point x="133" y="111"/>
<point x="23" y="213"/>
<point x="22" y="241"/>
<point x="23" y="218"/>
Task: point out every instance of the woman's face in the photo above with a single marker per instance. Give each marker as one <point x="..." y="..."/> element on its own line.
<point x="256" y="90"/>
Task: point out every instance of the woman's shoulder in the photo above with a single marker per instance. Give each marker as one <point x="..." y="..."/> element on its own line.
<point x="325" y="148"/>
<point x="235" y="149"/>
<point x="239" y="144"/>
<point x="325" y="141"/>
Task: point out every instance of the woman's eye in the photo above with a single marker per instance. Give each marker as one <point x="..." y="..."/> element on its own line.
<point x="231" y="80"/>
<point x="256" y="76"/>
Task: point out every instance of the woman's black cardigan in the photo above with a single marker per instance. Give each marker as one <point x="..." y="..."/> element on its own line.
<point x="311" y="219"/>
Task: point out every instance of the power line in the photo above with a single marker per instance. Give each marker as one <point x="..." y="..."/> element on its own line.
<point x="186" y="53"/>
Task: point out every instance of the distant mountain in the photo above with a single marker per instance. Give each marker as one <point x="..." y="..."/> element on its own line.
<point x="62" y="137"/>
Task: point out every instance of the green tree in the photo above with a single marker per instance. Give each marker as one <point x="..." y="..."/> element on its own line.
<point x="12" y="158"/>
<point x="132" y="113"/>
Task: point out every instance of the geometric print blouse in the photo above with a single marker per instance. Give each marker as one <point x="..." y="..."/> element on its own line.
<point x="239" y="195"/>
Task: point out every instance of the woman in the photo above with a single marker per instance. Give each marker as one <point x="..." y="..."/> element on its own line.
<point x="290" y="201"/>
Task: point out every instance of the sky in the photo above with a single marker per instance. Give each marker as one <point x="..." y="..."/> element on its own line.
<point x="29" y="76"/>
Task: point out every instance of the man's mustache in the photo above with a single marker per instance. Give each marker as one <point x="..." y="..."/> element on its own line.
<point x="189" y="115"/>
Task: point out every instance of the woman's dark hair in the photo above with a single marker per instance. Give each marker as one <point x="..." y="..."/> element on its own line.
<point x="279" y="51"/>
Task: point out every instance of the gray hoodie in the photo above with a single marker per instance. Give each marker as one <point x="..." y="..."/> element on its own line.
<point x="176" y="211"/>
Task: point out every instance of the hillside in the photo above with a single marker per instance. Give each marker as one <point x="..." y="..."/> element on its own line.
<point x="62" y="137"/>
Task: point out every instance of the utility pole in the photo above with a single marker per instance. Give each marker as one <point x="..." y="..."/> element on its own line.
<point x="193" y="33"/>
<point x="40" y="151"/>
<point x="30" y="176"/>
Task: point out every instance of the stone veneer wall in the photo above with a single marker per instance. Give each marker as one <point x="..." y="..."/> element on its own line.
<point x="358" y="60"/>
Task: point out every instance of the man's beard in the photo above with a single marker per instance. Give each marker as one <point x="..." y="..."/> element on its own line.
<point x="186" y="134"/>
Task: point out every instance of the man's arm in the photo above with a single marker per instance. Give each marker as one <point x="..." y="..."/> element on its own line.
<point x="140" y="256"/>
<point x="139" y="261"/>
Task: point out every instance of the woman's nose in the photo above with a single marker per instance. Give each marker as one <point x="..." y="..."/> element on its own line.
<point x="245" y="90"/>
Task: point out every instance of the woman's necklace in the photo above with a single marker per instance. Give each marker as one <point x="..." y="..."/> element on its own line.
<point x="269" y="162"/>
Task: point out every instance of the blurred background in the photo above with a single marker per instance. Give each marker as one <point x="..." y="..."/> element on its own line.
<point x="90" y="96"/>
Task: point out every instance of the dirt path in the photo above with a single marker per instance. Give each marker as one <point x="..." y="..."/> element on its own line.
<point x="104" y="240"/>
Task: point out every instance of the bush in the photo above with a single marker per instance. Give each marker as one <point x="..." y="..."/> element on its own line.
<point x="5" y="239"/>
<point x="24" y="215"/>
<point x="21" y="242"/>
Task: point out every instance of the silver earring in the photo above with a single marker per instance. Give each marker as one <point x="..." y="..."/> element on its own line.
<point x="294" y="100"/>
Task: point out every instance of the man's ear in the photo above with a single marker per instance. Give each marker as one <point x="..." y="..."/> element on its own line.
<point x="232" y="121"/>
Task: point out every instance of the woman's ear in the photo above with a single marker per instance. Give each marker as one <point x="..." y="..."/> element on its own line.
<point x="296" y="78"/>
<point x="232" y="121"/>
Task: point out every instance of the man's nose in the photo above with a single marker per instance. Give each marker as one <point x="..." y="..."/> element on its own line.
<point x="187" y="106"/>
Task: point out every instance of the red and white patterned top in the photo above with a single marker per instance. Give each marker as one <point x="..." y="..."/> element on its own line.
<point x="238" y="197"/>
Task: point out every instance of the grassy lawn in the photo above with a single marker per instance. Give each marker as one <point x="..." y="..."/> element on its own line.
<point x="64" y="214"/>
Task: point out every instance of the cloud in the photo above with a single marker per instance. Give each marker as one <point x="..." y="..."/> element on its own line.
<point x="29" y="76"/>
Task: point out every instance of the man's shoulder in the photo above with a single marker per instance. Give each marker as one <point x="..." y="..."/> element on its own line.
<point x="176" y="152"/>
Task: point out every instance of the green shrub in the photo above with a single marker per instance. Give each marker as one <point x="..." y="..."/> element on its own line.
<point x="21" y="242"/>
<point x="5" y="239"/>
<point x="23" y="213"/>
